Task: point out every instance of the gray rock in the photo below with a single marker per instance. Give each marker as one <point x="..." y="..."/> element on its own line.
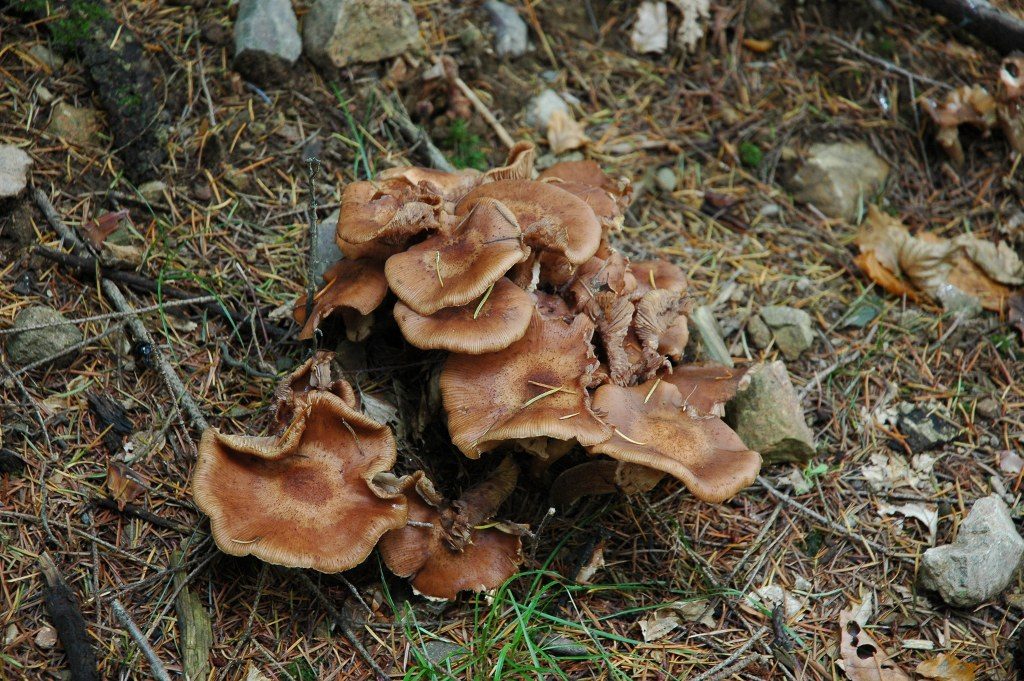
<point x="341" y="32"/>
<point x="981" y="562"/>
<point x="511" y="37"/>
<point x="839" y="178"/>
<point x="77" y="125"/>
<point x="989" y="408"/>
<point x="924" y="429"/>
<point x="710" y="335"/>
<point x="542" y="107"/>
<point x="790" y="327"/>
<point x="760" y="14"/>
<point x="439" y="652"/>
<point x="267" y="40"/>
<point x="758" y="332"/>
<point x="666" y="179"/>
<point x="46" y="56"/>
<point x="153" y="190"/>
<point x="14" y="167"/>
<point x="325" y="248"/>
<point x="767" y="415"/>
<point x="34" y="345"/>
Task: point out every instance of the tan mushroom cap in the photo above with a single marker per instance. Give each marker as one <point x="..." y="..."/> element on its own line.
<point x="603" y="476"/>
<point x="589" y="173"/>
<point x="448" y="270"/>
<point x="706" y="389"/>
<point x="658" y="312"/>
<point x="651" y="428"/>
<point x="604" y="205"/>
<point x="436" y="571"/>
<point x="312" y="375"/>
<point x="551" y="306"/>
<point x="493" y="323"/>
<point x="449" y="186"/>
<point x="603" y="274"/>
<point x="534" y="388"/>
<point x="552" y="219"/>
<point x="391" y="210"/>
<point x="354" y="287"/>
<point x="518" y="165"/>
<point x="307" y="498"/>
<point x="657" y="274"/>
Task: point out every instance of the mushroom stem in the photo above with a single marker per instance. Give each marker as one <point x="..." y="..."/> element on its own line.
<point x="478" y="504"/>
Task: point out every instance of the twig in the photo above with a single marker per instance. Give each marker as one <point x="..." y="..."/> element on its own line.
<point x="313" y="169"/>
<point x="996" y="29"/>
<point x="239" y="364"/>
<point x="341" y="621"/>
<point x="397" y="114"/>
<point x="726" y="669"/>
<point x="888" y="65"/>
<point x="111" y="291"/>
<point x="142" y="514"/>
<point x="155" y="664"/>
<point x="112" y="315"/>
<point x="485" y="113"/>
<point x="66" y="614"/>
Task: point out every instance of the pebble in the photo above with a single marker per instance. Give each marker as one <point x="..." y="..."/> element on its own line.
<point x="267" y="41"/>
<point x="982" y="561"/>
<point x="767" y="415"/>
<point x="33" y="345"/>
<point x="153" y="191"/>
<point x="78" y="125"/>
<point x="511" y="37"/>
<point x="337" y="33"/>
<point x="47" y="56"/>
<point x="790" y="327"/>
<point x="666" y="179"/>
<point x="839" y="178"/>
<point x="14" y="169"/>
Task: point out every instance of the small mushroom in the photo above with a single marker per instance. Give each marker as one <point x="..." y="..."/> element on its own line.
<point x="306" y="498"/>
<point x="444" y="549"/>
<point x="660" y="325"/>
<point x="657" y="274"/>
<point x="355" y="288"/>
<point x="449" y="270"/>
<point x="551" y="306"/>
<point x="613" y="315"/>
<point x="589" y="173"/>
<point x="551" y="219"/>
<point x="497" y="320"/>
<point x="966" y="105"/>
<point x="391" y="211"/>
<point x="1010" y="93"/>
<point x="603" y="476"/>
<point x="706" y="389"/>
<point x="536" y="387"/>
<point x="518" y="165"/>
<point x="603" y="274"/>
<point x="650" y="427"/>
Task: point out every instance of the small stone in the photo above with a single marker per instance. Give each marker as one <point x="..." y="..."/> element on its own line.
<point x="44" y="95"/>
<point x="791" y="329"/>
<point x="759" y="333"/>
<point x="981" y="562"/>
<point x="438" y="652"/>
<point x="47" y="56"/>
<point x="267" y="41"/>
<point x="924" y="429"/>
<point x="988" y="407"/>
<point x="666" y="179"/>
<point x="14" y="167"/>
<point x="325" y="248"/>
<point x="10" y="634"/>
<point x="46" y="637"/>
<point x="34" y="345"/>
<point x="77" y="125"/>
<point x="341" y="32"/>
<point x="542" y="107"/>
<point x="470" y="36"/>
<point x="153" y="191"/>
<point x="839" y="178"/>
<point x="650" y="28"/>
<point x="767" y="415"/>
<point x="511" y="37"/>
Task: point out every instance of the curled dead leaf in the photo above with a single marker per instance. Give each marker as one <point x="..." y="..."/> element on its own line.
<point x="124" y="484"/>
<point x="863" y="658"/>
<point x="946" y="667"/>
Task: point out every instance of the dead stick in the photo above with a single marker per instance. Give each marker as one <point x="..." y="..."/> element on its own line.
<point x="397" y="114"/>
<point x="110" y="315"/>
<point x="997" y="29"/>
<point x="726" y="665"/>
<point x="485" y="113"/>
<point x="157" y="667"/>
<point x="66" y="614"/>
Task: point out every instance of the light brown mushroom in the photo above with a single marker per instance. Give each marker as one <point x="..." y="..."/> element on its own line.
<point x="448" y="270"/>
<point x="537" y="387"/>
<point x="449" y="186"/>
<point x="706" y="388"/>
<point x="589" y="173"/>
<point x="603" y="476"/>
<point x="966" y="105"/>
<point x="612" y="315"/>
<point x="497" y="320"/>
<point x="312" y="375"/>
<point x="444" y="550"/>
<point x="657" y="274"/>
<point x="355" y="288"/>
<point x="551" y="219"/>
<point x="650" y="427"/>
<point x="391" y="211"/>
<point x="518" y="165"/>
<point x="306" y="498"/>
<point x="602" y="274"/>
<point x="660" y="326"/>
<point x="551" y="306"/>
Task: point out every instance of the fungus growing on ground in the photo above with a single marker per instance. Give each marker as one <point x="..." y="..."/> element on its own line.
<point x="564" y="355"/>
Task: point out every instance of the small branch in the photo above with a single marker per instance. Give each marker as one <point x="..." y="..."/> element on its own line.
<point x="1001" y="31"/>
<point x="397" y="114"/>
<point x="141" y="514"/>
<point x="66" y="614"/>
<point x="888" y="65"/>
<point x="159" y="671"/>
<point x="726" y="669"/>
<point x="485" y="113"/>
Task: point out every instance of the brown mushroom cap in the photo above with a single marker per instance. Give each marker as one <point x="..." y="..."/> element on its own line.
<point x="306" y="498"/>
<point x="312" y="375"/>
<point x="551" y="218"/>
<point x="706" y="389"/>
<point x="603" y="274"/>
<point x="551" y="306"/>
<point x="651" y="428"/>
<point x="391" y="210"/>
<point x="449" y="186"/>
<point x="657" y="274"/>
<point x="658" y="312"/>
<point x="603" y="476"/>
<point x="487" y="325"/>
<point x="518" y="165"/>
<point x="448" y="270"/>
<point x="589" y="173"/>
<point x="534" y="388"/>
<point x="354" y="287"/>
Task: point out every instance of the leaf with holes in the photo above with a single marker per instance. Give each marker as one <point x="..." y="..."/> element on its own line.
<point x="863" y="658"/>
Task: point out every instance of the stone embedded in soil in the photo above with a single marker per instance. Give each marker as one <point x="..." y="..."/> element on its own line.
<point x="325" y="248"/>
<point x="267" y="41"/>
<point x="760" y="14"/>
<point x="923" y="428"/>
<point x="14" y="167"/>
<point x="982" y="561"/>
<point x="341" y="32"/>
<point x="153" y="190"/>
<point x="839" y="178"/>
<point x="440" y="652"/>
<point x="790" y="327"/>
<point x="77" y="125"/>
<point x="46" y="56"/>
<point x="542" y="107"/>
<point x="767" y="415"/>
<point x="511" y="37"/>
<point x="666" y="179"/>
<point x="34" y="345"/>
<point x="988" y="407"/>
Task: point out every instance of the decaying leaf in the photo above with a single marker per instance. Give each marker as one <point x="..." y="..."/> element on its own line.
<point x="564" y="132"/>
<point x="650" y="29"/>
<point x="664" y="620"/>
<point x="891" y="471"/>
<point x="97" y="231"/>
<point x="863" y="658"/>
<point x="946" y="667"/>
<point x="691" y="28"/>
<point x="124" y="484"/>
<point x="956" y="271"/>
<point x="771" y="596"/>
<point x="926" y="514"/>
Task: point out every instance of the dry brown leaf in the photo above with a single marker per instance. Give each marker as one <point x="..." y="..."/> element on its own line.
<point x="946" y="667"/>
<point x="564" y="132"/>
<point x="124" y="484"/>
<point x="863" y="658"/>
<point x="96" y="231"/>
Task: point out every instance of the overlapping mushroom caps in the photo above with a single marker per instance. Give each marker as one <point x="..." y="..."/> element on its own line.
<point x="562" y="352"/>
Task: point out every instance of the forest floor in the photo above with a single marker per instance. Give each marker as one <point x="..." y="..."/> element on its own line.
<point x="728" y="119"/>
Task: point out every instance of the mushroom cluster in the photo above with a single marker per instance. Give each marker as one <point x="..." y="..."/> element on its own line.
<point x="555" y="340"/>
